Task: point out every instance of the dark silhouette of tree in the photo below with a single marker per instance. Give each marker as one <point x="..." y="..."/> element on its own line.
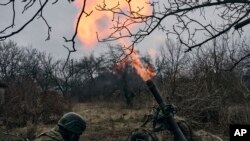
<point x="15" y="28"/>
<point x="190" y="22"/>
<point x="189" y="18"/>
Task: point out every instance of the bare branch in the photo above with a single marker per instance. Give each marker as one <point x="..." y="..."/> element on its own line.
<point x="4" y="4"/>
<point x="231" y="11"/>
<point x="237" y="62"/>
<point x="28" y="5"/>
<point x="48" y="26"/>
<point x="13" y="17"/>
<point x="72" y="40"/>
<point x="241" y="24"/>
<point x="27" y="23"/>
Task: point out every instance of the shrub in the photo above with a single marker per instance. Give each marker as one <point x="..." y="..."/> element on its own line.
<point x="27" y="103"/>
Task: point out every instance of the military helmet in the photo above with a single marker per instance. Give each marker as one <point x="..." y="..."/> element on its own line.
<point x="140" y="134"/>
<point x="72" y="122"/>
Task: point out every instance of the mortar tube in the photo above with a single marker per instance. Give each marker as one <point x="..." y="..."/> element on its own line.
<point x="179" y="136"/>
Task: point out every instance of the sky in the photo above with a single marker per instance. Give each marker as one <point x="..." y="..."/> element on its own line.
<point x="61" y="17"/>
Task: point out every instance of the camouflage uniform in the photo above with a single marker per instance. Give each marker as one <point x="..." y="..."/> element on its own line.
<point x="70" y="127"/>
<point x="52" y="135"/>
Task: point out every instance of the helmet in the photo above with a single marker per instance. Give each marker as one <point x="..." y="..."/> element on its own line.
<point x="140" y="134"/>
<point x="72" y="122"/>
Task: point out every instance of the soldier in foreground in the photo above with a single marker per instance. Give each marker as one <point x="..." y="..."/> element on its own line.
<point x="69" y="128"/>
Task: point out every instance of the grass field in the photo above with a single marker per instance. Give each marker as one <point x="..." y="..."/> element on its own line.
<point x="114" y="122"/>
<point x="107" y="122"/>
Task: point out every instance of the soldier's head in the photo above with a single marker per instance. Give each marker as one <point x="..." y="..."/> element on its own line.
<point x="140" y="134"/>
<point x="71" y="126"/>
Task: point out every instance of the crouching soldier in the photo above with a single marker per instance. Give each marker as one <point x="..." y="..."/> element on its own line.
<point x="69" y="128"/>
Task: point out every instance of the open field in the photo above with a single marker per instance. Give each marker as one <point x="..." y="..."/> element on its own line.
<point x="114" y="122"/>
<point x="108" y="122"/>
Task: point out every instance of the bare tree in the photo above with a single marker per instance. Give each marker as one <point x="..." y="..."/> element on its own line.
<point x="171" y="65"/>
<point x="90" y="67"/>
<point x="10" y="59"/>
<point x="187" y="20"/>
<point x="191" y="22"/>
<point x="28" y="6"/>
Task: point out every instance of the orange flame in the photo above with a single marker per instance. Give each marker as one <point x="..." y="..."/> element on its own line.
<point x="100" y="22"/>
<point x="145" y="73"/>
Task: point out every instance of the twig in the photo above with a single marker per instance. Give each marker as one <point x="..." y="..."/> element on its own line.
<point x="72" y="40"/>
<point x="27" y="23"/>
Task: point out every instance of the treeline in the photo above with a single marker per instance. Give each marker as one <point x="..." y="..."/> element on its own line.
<point x="81" y="78"/>
<point x="41" y="89"/>
<point x="206" y="84"/>
<point x="201" y="83"/>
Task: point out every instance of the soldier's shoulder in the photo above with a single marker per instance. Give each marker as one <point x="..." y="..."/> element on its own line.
<point x="43" y="137"/>
<point x="51" y="135"/>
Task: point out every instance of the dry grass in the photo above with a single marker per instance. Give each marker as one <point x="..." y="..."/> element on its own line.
<point x="109" y="122"/>
<point x="105" y="121"/>
<point x="114" y="122"/>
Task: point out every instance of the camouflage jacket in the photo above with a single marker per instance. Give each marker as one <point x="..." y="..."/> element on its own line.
<point x="52" y="135"/>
